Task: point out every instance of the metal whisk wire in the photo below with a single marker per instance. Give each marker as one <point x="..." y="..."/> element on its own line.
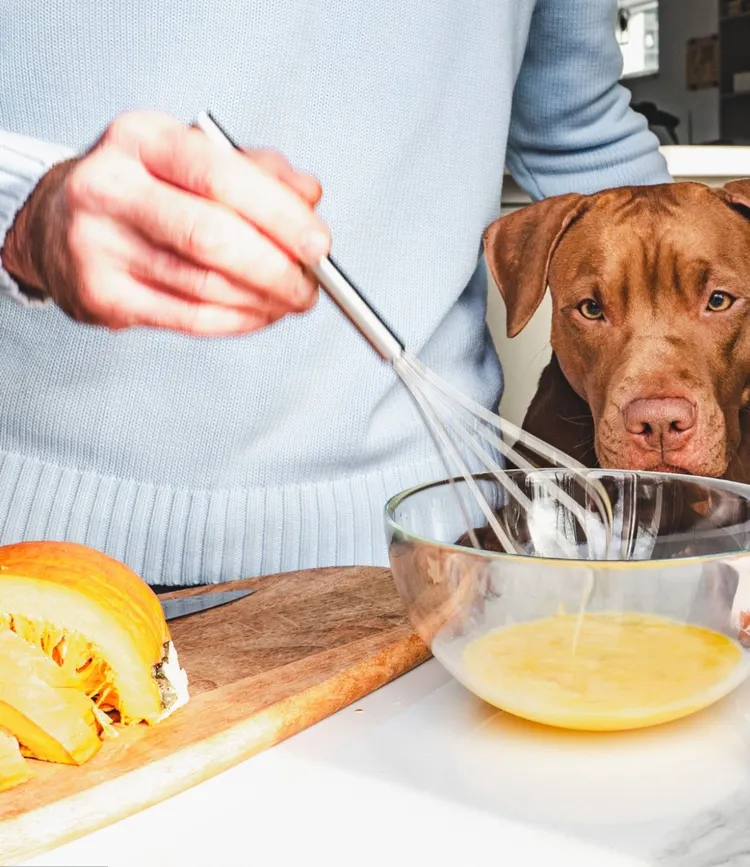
<point x="450" y="412"/>
<point x="452" y="417"/>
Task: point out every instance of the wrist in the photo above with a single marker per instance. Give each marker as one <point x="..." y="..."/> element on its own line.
<point x="23" y="252"/>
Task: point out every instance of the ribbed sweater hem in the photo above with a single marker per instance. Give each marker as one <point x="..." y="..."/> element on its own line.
<point x="180" y="537"/>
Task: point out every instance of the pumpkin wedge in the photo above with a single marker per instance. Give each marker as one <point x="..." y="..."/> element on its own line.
<point x="41" y="706"/>
<point x="14" y="769"/>
<point x="99" y="621"/>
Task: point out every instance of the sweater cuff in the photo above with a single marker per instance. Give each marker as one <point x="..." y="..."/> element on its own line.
<point x="23" y="161"/>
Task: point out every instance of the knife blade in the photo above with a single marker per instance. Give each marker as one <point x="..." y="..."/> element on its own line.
<point x="173" y="608"/>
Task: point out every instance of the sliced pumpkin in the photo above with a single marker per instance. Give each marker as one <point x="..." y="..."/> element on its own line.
<point x="99" y="621"/>
<point x="42" y="707"/>
<point x="13" y="767"/>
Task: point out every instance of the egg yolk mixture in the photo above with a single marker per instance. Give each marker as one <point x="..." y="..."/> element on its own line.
<point x="603" y="672"/>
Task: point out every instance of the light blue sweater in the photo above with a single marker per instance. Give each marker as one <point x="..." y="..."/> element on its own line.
<point x="202" y="460"/>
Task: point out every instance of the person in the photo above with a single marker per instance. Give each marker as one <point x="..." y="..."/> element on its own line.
<point x="176" y="391"/>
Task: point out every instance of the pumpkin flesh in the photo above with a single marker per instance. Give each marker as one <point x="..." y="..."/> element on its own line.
<point x="74" y="654"/>
<point x="41" y="706"/>
<point x="14" y="769"/>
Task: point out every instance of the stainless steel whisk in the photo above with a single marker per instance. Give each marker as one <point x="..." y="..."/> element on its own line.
<point x="456" y="421"/>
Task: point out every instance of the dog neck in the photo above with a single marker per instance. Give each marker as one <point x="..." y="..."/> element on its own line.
<point x="557" y="407"/>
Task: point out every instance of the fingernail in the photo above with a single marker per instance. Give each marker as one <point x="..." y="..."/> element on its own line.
<point x="314" y="244"/>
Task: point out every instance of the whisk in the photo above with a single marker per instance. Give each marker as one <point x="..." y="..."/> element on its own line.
<point x="455" y="421"/>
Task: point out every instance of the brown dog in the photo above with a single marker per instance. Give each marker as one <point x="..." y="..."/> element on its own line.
<point x="650" y="326"/>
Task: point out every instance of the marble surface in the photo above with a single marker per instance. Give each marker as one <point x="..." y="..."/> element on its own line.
<point x="676" y="794"/>
<point x="425" y="769"/>
<point x="718" y="836"/>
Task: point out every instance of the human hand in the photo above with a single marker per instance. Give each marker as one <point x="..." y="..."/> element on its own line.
<point x="157" y="226"/>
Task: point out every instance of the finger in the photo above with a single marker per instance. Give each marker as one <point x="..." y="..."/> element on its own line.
<point x="207" y="234"/>
<point x="131" y="303"/>
<point x="278" y="166"/>
<point x="191" y="161"/>
<point x="171" y="273"/>
<point x="162" y="268"/>
<point x="213" y="238"/>
<point x="157" y="309"/>
<point x="275" y="164"/>
<point x="129" y="130"/>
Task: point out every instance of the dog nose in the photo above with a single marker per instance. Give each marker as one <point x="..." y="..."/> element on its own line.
<point x="665" y="423"/>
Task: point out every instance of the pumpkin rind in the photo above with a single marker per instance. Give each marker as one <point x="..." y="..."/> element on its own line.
<point x="99" y="621"/>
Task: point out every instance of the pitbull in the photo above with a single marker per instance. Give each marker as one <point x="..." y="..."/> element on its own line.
<point x="650" y="289"/>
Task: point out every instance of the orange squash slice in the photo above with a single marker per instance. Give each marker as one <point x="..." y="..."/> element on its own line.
<point x="99" y="621"/>
<point x="14" y="769"/>
<point x="41" y="706"/>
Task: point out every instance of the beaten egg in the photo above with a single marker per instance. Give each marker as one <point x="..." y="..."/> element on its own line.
<point x="603" y="671"/>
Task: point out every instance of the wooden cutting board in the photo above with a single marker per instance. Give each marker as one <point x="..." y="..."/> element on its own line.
<point x="260" y="669"/>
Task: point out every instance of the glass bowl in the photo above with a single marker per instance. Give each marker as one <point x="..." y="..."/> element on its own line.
<point x="657" y="630"/>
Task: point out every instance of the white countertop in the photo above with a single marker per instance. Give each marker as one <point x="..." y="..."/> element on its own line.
<point x="422" y="773"/>
<point x="707" y="163"/>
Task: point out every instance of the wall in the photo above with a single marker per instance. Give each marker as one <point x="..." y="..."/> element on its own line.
<point x="523" y="357"/>
<point x="680" y="20"/>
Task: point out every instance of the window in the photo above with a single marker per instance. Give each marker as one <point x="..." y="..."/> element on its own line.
<point x="637" y="31"/>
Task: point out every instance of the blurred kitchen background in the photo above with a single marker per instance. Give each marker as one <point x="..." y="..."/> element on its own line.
<point x="687" y="65"/>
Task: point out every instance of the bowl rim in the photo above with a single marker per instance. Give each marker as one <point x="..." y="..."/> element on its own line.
<point x="718" y="484"/>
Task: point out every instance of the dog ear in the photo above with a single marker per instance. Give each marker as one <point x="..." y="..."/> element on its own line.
<point x="519" y="247"/>
<point x="737" y="194"/>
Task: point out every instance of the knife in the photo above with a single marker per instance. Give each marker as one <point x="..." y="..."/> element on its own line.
<point x="173" y="608"/>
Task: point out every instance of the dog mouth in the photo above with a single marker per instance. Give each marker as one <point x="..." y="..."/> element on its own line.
<point x="668" y="468"/>
<point x="669" y="464"/>
<point x="665" y="467"/>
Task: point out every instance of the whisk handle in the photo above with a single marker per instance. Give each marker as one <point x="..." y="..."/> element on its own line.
<point x="330" y="276"/>
<point x="357" y="309"/>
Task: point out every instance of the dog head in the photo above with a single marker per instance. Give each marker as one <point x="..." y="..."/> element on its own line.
<point x="650" y="292"/>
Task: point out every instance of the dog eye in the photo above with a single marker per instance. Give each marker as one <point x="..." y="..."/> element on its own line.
<point x="590" y="309"/>
<point x="719" y="301"/>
